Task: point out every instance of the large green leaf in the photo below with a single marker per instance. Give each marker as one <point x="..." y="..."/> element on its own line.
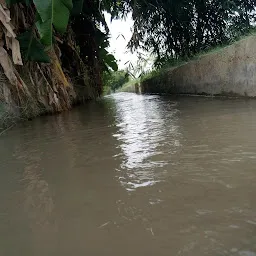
<point x="52" y="13"/>
<point x="45" y="30"/>
<point x="110" y="61"/>
<point x="31" y="48"/>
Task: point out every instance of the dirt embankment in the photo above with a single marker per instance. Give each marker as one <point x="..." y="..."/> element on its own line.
<point x="42" y="89"/>
<point x="231" y="71"/>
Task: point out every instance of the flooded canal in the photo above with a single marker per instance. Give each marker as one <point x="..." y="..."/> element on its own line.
<point x="132" y="175"/>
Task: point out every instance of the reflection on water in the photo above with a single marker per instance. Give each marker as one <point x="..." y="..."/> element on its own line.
<point x="147" y="132"/>
<point x="38" y="202"/>
<point x="132" y="175"/>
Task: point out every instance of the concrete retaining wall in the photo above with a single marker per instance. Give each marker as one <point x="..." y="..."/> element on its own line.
<point x="230" y="71"/>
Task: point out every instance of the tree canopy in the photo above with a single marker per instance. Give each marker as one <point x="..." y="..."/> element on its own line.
<point x="182" y="28"/>
<point x="169" y="29"/>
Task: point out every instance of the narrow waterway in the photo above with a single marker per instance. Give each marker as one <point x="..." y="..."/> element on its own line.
<point x="132" y="175"/>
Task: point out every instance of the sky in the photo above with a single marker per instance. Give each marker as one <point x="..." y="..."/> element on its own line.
<point x="121" y="33"/>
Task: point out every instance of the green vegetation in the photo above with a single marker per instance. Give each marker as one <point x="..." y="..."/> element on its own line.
<point x="114" y="80"/>
<point x="53" y="54"/>
<point x="62" y="45"/>
<point x="174" y="63"/>
<point x="66" y="32"/>
<point x="129" y="86"/>
<point x="170" y="29"/>
<point x="174" y="29"/>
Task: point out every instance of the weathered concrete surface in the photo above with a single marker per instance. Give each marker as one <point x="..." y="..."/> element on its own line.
<point x="230" y="71"/>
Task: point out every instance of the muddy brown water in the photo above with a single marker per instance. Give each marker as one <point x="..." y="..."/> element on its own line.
<point x="132" y="175"/>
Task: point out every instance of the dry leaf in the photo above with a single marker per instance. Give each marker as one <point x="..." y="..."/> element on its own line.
<point x="6" y="12"/>
<point x="1" y="37"/>
<point x="16" y="55"/>
<point x="11" y="43"/>
<point x="8" y="42"/>
<point x="7" y="94"/>
<point x="7" y="65"/>
<point x="5" y="19"/>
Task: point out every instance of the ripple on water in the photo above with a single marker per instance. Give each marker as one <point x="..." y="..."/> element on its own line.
<point x="145" y="140"/>
<point x="246" y="253"/>
<point x="132" y="175"/>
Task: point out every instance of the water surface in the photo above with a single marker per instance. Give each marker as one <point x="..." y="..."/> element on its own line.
<point x="132" y="175"/>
